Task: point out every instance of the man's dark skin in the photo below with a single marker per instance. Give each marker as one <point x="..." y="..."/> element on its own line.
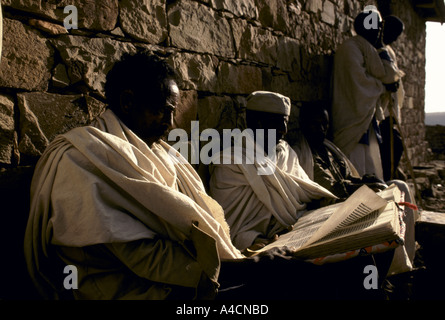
<point x="266" y="120"/>
<point x="150" y="125"/>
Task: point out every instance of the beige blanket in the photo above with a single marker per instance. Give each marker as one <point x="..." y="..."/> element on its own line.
<point x="263" y="205"/>
<point x="127" y="191"/>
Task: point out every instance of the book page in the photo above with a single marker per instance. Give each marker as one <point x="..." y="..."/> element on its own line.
<point x="359" y="204"/>
<point x="391" y="193"/>
<point x="302" y="230"/>
<point x="381" y="225"/>
<point x="319" y="223"/>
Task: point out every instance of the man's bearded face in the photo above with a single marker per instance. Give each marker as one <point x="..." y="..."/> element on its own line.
<point x="154" y="122"/>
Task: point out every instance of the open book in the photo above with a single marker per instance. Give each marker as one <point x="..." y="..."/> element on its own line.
<point x="365" y="219"/>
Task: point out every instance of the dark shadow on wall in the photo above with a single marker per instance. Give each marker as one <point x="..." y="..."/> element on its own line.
<point x="15" y="282"/>
<point x="315" y="86"/>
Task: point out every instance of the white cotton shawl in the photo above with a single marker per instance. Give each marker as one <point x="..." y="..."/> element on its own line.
<point x="257" y="204"/>
<point x="356" y="91"/>
<point x="131" y="192"/>
<point x="393" y="99"/>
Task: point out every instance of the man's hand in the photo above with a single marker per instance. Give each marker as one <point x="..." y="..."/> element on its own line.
<point x="371" y="178"/>
<point x="376" y="186"/>
<point x="258" y="244"/>
<point x="255" y="266"/>
<point x="374" y="183"/>
<point x="273" y="254"/>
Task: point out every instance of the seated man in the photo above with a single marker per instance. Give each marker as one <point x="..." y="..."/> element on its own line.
<point x="329" y="167"/>
<point x="120" y="205"/>
<point x="258" y="207"/>
<point x="324" y="162"/>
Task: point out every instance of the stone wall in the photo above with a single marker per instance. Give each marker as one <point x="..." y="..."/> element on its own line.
<point x="410" y="49"/>
<point x="435" y="135"/>
<point x="52" y="79"/>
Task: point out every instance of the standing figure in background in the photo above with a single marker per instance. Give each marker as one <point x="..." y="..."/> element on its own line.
<point x="357" y="88"/>
<point x="392" y="99"/>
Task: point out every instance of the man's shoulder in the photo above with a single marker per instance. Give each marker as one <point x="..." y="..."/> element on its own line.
<point x="283" y="144"/>
<point x="349" y="41"/>
<point x="354" y="43"/>
<point x="92" y="135"/>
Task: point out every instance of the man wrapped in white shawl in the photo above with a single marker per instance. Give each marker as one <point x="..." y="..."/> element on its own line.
<point x="357" y="89"/>
<point x="123" y="208"/>
<point x="263" y="196"/>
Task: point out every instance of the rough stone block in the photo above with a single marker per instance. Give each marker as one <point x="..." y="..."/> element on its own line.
<point x="48" y="27"/>
<point x="60" y="76"/>
<point x="238" y="27"/>
<point x="280" y="83"/>
<point x="197" y="72"/>
<point x="198" y="28"/>
<point x="259" y="45"/>
<point x="238" y="79"/>
<point x="98" y="15"/>
<point x="245" y="8"/>
<point x="328" y="13"/>
<point x="217" y="112"/>
<point x="90" y="59"/>
<point x="45" y="115"/>
<point x="314" y="5"/>
<point x="94" y="107"/>
<point x="7" y="136"/>
<point x="273" y="14"/>
<point x="288" y="57"/>
<point x="27" y="57"/>
<point x="24" y="5"/>
<point x="144" y="20"/>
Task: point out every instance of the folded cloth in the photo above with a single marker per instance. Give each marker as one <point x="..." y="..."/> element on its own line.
<point x="128" y="191"/>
